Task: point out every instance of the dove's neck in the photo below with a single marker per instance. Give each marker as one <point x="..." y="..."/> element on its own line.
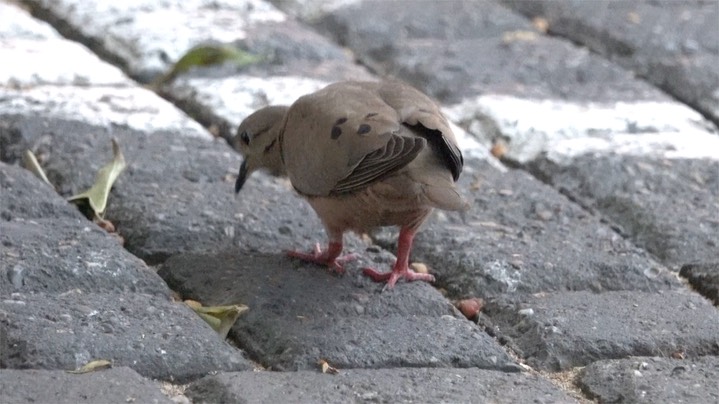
<point x="272" y="153"/>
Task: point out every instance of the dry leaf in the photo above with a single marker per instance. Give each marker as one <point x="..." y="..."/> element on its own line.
<point x="634" y="17"/>
<point x="220" y="318"/>
<point x="105" y="224"/>
<point x="518" y="36"/>
<point x="93" y="366"/>
<point x="678" y="355"/>
<point x="470" y="308"/>
<point x="499" y="148"/>
<point x="419" y="267"/>
<point x="97" y="195"/>
<point x="540" y="24"/>
<point x="327" y="368"/>
<point x="207" y="55"/>
<point x="30" y="162"/>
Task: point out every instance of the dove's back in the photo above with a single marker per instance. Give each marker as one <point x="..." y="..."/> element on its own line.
<point x="371" y="154"/>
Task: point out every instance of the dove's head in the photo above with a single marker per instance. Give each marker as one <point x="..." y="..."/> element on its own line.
<point x="258" y="140"/>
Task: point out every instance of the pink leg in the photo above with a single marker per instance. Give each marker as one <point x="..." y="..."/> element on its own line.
<point x="330" y="257"/>
<point x="401" y="267"/>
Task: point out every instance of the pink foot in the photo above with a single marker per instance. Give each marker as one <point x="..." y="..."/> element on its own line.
<point x="392" y="277"/>
<point x="330" y="258"/>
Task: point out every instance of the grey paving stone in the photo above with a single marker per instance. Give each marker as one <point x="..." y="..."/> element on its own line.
<point x="60" y="255"/>
<point x="24" y="196"/>
<point x="559" y="331"/>
<point x="49" y="247"/>
<point x="521" y="236"/>
<point x="116" y="385"/>
<point x="454" y="49"/>
<point x="652" y="380"/>
<point x="674" y="45"/>
<point x="300" y="314"/>
<point x="666" y="206"/>
<point x="704" y="277"/>
<point x="152" y="335"/>
<point x="404" y="385"/>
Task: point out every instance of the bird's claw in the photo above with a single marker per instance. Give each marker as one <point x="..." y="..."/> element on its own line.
<point x="320" y="257"/>
<point x="392" y="277"/>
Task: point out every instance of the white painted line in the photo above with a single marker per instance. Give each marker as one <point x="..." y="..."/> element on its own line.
<point x="134" y="107"/>
<point x="564" y="129"/>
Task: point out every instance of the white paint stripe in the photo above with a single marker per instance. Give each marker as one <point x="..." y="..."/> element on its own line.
<point x="233" y="98"/>
<point x="54" y="61"/>
<point x="134" y="107"/>
<point x="564" y="130"/>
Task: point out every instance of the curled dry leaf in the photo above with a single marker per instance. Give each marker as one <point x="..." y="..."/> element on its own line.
<point x="92" y="366"/>
<point x="327" y="368"/>
<point x="29" y="161"/>
<point x="470" y="308"/>
<point x="207" y="55"/>
<point x="105" y="224"/>
<point x="220" y="318"/>
<point x="499" y="148"/>
<point x="96" y="197"/>
<point x="419" y="267"/>
<point x="518" y="36"/>
<point x="540" y="24"/>
<point x="678" y="355"/>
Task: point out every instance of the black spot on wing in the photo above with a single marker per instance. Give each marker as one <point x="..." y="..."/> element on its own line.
<point x="364" y="129"/>
<point x="336" y="132"/>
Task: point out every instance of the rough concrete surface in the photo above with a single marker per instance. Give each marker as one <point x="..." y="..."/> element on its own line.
<point x="561" y="331"/>
<point x="300" y="314"/>
<point x="399" y="385"/>
<point x="117" y="385"/>
<point x="589" y="132"/>
<point x="652" y="380"/>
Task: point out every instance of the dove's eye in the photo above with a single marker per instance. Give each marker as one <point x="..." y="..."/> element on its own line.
<point x="245" y="137"/>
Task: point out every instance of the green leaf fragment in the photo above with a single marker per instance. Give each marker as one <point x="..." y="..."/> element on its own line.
<point x="208" y="55"/>
<point x="92" y="366"/>
<point x="220" y="318"/>
<point x="98" y="194"/>
<point x="30" y="162"/>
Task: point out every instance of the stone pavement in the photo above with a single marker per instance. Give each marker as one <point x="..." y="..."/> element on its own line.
<point x="593" y="239"/>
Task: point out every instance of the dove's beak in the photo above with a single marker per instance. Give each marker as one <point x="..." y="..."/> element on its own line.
<point x="242" y="176"/>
